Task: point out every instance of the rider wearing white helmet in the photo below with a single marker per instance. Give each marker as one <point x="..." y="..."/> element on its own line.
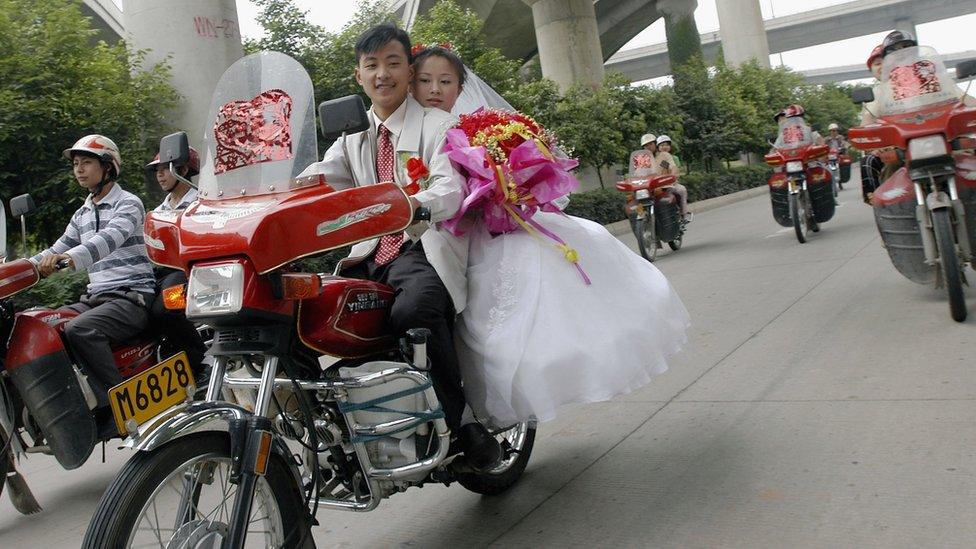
<point x="835" y="139"/>
<point x="103" y="237"/>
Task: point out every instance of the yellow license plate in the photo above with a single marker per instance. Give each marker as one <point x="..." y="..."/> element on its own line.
<point x="150" y="393"/>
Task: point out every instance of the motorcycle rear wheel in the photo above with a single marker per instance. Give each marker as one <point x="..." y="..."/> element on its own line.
<point x="949" y="260"/>
<point x="647" y="238"/>
<point x="798" y="214"/>
<point x="517" y="442"/>
<point x="203" y="460"/>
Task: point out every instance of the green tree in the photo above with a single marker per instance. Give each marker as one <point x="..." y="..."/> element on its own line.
<point x="57" y="85"/>
<point x="828" y="103"/>
<point x="286" y="30"/>
<point x="763" y="89"/>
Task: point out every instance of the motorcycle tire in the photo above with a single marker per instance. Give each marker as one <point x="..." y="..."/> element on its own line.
<point x="647" y="238"/>
<point x="121" y="505"/>
<point x="812" y="224"/>
<point x="949" y="260"/>
<point x="504" y="476"/>
<point x="798" y="216"/>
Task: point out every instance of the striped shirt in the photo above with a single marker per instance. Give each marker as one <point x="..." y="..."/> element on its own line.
<point x="167" y="204"/>
<point x="113" y="253"/>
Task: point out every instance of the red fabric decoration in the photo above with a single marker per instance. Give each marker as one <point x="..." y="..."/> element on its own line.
<point x="254" y="131"/>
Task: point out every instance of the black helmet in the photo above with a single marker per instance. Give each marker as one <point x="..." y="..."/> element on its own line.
<point x="896" y="40"/>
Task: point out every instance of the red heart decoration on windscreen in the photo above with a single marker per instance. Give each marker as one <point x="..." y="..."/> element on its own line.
<point x="250" y="132"/>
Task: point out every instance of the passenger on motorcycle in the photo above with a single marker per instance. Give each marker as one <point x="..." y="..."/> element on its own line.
<point x="793" y="128"/>
<point x="105" y="238"/>
<point x="173" y="323"/>
<point x="668" y="165"/>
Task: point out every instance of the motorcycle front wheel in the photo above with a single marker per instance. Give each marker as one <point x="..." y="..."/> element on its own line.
<point x="798" y="214"/>
<point x="517" y="442"/>
<point x="647" y="238"/>
<point x="180" y="495"/>
<point x="949" y="261"/>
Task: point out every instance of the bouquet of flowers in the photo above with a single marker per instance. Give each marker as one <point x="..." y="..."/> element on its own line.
<point x="512" y="169"/>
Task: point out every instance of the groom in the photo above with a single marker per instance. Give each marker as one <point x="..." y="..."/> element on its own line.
<point x="429" y="271"/>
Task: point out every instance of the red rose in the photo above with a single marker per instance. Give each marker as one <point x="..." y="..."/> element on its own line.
<point x="416" y="169"/>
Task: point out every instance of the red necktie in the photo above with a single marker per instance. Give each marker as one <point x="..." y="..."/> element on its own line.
<point x="389" y="247"/>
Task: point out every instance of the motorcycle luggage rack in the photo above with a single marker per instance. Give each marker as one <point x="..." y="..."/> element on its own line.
<point x="361" y="434"/>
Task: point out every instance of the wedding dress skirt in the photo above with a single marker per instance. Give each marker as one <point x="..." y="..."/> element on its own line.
<point x="535" y="337"/>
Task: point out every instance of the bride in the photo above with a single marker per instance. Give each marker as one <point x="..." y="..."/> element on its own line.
<point x="536" y="334"/>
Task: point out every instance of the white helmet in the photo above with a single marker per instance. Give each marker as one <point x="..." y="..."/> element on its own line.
<point x="100" y="146"/>
<point x="833" y="126"/>
<point x="647" y="138"/>
<point x="662" y="139"/>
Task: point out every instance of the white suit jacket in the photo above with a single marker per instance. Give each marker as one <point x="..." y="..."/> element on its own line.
<point x="423" y="135"/>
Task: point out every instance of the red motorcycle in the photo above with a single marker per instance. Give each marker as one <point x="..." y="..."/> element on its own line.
<point x="344" y="414"/>
<point x="653" y="211"/>
<point x="926" y="210"/>
<point x="800" y="187"/>
<point x="839" y="164"/>
<point x="45" y="400"/>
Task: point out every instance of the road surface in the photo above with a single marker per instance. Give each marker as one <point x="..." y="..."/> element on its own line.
<point x="822" y="401"/>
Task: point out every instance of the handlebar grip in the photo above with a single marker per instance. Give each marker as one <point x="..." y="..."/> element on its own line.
<point x="422" y="213"/>
<point x="63" y="264"/>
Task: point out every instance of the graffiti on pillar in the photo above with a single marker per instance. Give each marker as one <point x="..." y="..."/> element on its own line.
<point x="212" y="28"/>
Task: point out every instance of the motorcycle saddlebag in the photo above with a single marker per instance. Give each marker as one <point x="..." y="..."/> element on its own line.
<point x="49" y="388"/>
<point x="668" y="219"/>
<point x="780" y="199"/>
<point x="894" y="211"/>
<point x="821" y="193"/>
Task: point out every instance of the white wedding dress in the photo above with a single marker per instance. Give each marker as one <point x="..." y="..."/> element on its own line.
<point x="535" y="337"/>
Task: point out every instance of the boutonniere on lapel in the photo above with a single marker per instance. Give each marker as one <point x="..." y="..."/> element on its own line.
<point x="417" y="172"/>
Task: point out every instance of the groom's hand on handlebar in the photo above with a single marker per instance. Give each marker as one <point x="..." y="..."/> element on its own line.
<point x="420" y="212"/>
<point x="54" y="262"/>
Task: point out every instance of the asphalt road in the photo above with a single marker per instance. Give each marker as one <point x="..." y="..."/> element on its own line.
<point x="822" y="401"/>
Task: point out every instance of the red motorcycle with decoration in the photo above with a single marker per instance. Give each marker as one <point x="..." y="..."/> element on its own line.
<point x="926" y="210"/>
<point x="343" y="414"/>
<point x="800" y="187"/>
<point x="46" y="402"/>
<point x="839" y="164"/>
<point x="651" y="207"/>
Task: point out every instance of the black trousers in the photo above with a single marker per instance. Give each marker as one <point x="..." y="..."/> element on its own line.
<point x="106" y="318"/>
<point x="180" y="333"/>
<point x="422" y="302"/>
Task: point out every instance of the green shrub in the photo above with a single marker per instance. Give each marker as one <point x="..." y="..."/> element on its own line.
<point x="61" y="288"/>
<point x="606" y="206"/>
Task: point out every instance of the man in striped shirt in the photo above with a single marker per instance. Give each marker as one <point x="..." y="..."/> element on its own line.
<point x="105" y="238"/>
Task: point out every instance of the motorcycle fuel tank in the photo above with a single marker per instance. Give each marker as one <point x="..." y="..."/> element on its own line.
<point x="349" y="319"/>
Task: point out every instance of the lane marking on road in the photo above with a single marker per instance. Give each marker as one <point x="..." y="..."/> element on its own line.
<point x="779" y="232"/>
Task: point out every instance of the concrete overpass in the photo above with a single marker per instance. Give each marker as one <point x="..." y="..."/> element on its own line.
<point x="106" y="18"/>
<point x="806" y="29"/>
<point x="509" y="25"/>
<point x="856" y="72"/>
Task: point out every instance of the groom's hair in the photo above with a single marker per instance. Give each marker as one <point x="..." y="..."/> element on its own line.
<point x="379" y="36"/>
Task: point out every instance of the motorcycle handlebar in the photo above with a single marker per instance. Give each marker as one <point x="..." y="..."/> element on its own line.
<point x="63" y="264"/>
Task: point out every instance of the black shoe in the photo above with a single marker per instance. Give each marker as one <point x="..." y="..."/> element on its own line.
<point x="481" y="450"/>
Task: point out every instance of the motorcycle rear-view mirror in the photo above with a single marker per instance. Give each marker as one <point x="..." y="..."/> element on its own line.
<point x="862" y="95"/>
<point x="966" y="69"/>
<point x="344" y="115"/>
<point x="175" y="149"/>
<point x="21" y="205"/>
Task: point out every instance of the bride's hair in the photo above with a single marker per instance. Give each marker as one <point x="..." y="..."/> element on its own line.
<point x="421" y="53"/>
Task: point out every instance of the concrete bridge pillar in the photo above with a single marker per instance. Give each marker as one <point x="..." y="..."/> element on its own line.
<point x="742" y="31"/>
<point x="201" y="37"/>
<point x="906" y="24"/>
<point x="681" y="30"/>
<point x="569" y="41"/>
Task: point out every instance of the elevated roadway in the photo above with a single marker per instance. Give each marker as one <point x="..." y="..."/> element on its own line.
<point x="802" y="30"/>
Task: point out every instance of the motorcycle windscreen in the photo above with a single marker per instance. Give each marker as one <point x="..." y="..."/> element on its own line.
<point x="913" y="79"/>
<point x="641" y="163"/>
<point x="793" y="133"/>
<point x="260" y="133"/>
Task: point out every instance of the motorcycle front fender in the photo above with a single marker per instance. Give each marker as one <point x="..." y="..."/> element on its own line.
<point x="937" y="201"/>
<point x="183" y="420"/>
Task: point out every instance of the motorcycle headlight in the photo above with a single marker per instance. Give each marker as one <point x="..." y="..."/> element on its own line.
<point x="930" y="146"/>
<point x="642" y="194"/>
<point x="215" y="290"/>
<point x="794" y="166"/>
